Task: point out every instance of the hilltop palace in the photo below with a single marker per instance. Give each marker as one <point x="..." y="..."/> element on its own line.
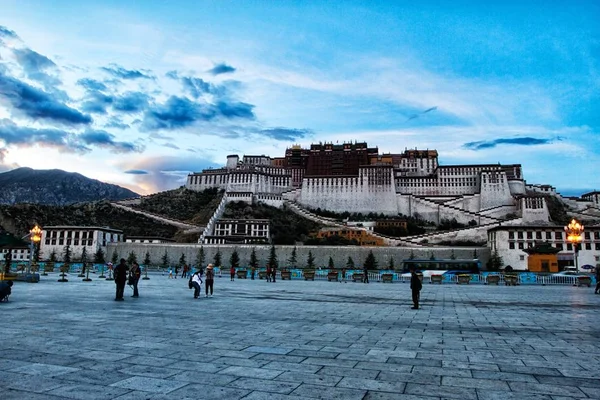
<point x="356" y="178"/>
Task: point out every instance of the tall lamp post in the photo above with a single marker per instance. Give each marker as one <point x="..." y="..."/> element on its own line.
<point x="35" y="235"/>
<point x="574" y="236"/>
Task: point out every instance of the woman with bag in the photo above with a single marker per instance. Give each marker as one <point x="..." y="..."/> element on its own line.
<point x="134" y="277"/>
<point x="196" y="284"/>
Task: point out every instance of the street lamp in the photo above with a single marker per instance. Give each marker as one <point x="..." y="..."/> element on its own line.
<point x="574" y="236"/>
<point x="35" y="235"/>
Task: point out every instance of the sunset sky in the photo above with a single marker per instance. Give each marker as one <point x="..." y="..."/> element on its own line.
<point x="140" y="93"/>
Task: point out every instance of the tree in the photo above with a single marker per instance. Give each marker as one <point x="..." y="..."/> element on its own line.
<point x="350" y="263"/>
<point x="147" y="261"/>
<point x="67" y="254"/>
<point x="475" y="255"/>
<point x="452" y="255"/>
<point x="131" y="258"/>
<point x="273" y="258"/>
<point x="165" y="259"/>
<point x="370" y="261"/>
<point x="253" y="260"/>
<point x="200" y="257"/>
<point x="53" y="257"/>
<point x="234" y="260"/>
<point x="217" y="260"/>
<point x="495" y="262"/>
<point x="114" y="258"/>
<point x="310" y="262"/>
<point x="432" y="256"/>
<point x="84" y="257"/>
<point x="330" y="264"/>
<point x="412" y="255"/>
<point x="182" y="260"/>
<point x="99" y="256"/>
<point x="292" y="261"/>
<point x="391" y="263"/>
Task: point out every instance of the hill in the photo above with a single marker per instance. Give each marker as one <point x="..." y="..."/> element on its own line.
<point x="55" y="187"/>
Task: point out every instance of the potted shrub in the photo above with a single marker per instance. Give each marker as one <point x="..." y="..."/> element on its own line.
<point x="492" y="279"/>
<point x="437" y="278"/>
<point x="463" y="279"/>
<point x="286" y="274"/>
<point x="309" y="274"/>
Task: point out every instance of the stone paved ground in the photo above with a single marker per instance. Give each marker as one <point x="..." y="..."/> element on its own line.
<point x="293" y="340"/>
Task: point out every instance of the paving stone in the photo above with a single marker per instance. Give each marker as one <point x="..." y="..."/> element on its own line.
<point x="265" y="385"/>
<point x="503" y="395"/>
<point x="261" y="373"/>
<point x="349" y="372"/>
<point x="504" y="376"/>
<point x="87" y="392"/>
<point x="146" y="370"/>
<point x="268" y="350"/>
<point x="372" y="384"/>
<point x="475" y="383"/>
<point x="207" y="391"/>
<point x="43" y="369"/>
<point x="449" y="392"/>
<point x="325" y="392"/>
<point x="147" y="384"/>
<point x="313" y="379"/>
<point x="288" y="366"/>
<point x="441" y="371"/>
<point x="545" y="389"/>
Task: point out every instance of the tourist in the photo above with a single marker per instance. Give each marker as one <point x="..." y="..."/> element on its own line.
<point x="343" y="278"/>
<point x="252" y="272"/>
<point x="176" y="271"/>
<point x="120" y="274"/>
<point x="170" y="273"/>
<point x="210" y="279"/>
<point x="232" y="273"/>
<point x="185" y="271"/>
<point x="415" y="287"/>
<point x="197" y="284"/>
<point x="274" y="272"/>
<point x="268" y="272"/>
<point x="366" y="277"/>
<point x="134" y="277"/>
<point x="597" y="291"/>
<point x="5" y="290"/>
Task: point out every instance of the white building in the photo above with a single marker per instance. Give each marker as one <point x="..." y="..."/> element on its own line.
<point x="19" y="253"/>
<point x="147" y="239"/>
<point x="245" y="231"/>
<point x="510" y="241"/>
<point x="56" y="238"/>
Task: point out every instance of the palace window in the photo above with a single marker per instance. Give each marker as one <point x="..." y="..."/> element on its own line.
<point x="559" y="246"/>
<point x="588" y="246"/>
<point x="529" y="235"/>
<point x="558" y="235"/>
<point x="548" y="235"/>
<point x="519" y="235"/>
<point x="511" y="245"/>
<point x="521" y="245"/>
<point x="538" y="235"/>
<point x="511" y="235"/>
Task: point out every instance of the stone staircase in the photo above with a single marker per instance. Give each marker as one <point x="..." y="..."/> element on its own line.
<point x="186" y="227"/>
<point x="480" y="218"/>
<point x="210" y="226"/>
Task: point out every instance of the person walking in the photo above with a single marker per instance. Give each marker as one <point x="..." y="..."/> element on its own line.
<point x="176" y="271"/>
<point x="197" y="284"/>
<point x="597" y="291"/>
<point x="343" y="277"/>
<point x="185" y="271"/>
<point x="274" y="271"/>
<point x="252" y="272"/>
<point x="120" y="274"/>
<point x="134" y="277"/>
<point x="366" y="277"/>
<point x="210" y="280"/>
<point x="415" y="287"/>
<point x="170" y="273"/>
<point x="268" y="273"/>
<point x="232" y="273"/>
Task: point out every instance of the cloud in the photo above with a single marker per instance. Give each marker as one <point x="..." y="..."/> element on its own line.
<point x="520" y="141"/>
<point x="180" y="112"/>
<point x="131" y="102"/>
<point x="285" y="134"/>
<point x="221" y="68"/>
<point x="36" y="65"/>
<point x="92" y="84"/>
<point x="136" y="172"/>
<point x="172" y="75"/>
<point x="7" y="33"/>
<point x="21" y="136"/>
<point x="123" y="73"/>
<point x="96" y="102"/>
<point x="106" y="140"/>
<point x="196" y="87"/>
<point x="170" y="145"/>
<point x="115" y="122"/>
<point x="28" y="101"/>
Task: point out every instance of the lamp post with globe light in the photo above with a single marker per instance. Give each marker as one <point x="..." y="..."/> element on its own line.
<point x="35" y="236"/>
<point x="574" y="233"/>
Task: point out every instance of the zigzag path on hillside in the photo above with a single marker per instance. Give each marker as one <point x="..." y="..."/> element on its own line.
<point x="187" y="227"/>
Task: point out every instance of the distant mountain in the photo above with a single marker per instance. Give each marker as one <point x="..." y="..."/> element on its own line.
<point x="55" y="187"/>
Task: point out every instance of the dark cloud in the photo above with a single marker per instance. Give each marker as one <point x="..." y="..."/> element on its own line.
<point x="285" y="134"/>
<point x="136" y="172"/>
<point x="172" y="75"/>
<point x="106" y="140"/>
<point x="92" y="84"/>
<point x="196" y="87"/>
<point x="7" y="33"/>
<point x="115" y="122"/>
<point x="123" y="73"/>
<point x="36" y="65"/>
<point x="180" y="112"/>
<point x="221" y="69"/>
<point x="21" y="136"/>
<point x="131" y="102"/>
<point x="170" y="145"/>
<point x="34" y="103"/>
<point x="520" y="141"/>
<point x="96" y="102"/>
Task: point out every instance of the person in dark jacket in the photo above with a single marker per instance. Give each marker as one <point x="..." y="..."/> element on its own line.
<point x="597" y="290"/>
<point x="5" y="290"/>
<point x="134" y="275"/>
<point x="120" y="274"/>
<point x="415" y="287"/>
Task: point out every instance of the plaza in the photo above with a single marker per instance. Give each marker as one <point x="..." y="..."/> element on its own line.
<point x="298" y="339"/>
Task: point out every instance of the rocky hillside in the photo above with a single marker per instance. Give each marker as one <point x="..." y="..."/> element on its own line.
<point x="183" y="204"/>
<point x="19" y="219"/>
<point x="55" y="187"/>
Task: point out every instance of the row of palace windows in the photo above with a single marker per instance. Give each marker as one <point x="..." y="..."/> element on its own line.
<point x="71" y="234"/>
<point x="569" y="247"/>
<point x="558" y="235"/>
<point x="69" y="242"/>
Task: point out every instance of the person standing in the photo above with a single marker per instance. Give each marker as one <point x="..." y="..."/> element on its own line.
<point x="232" y="273"/>
<point x="176" y="271"/>
<point x="268" y="273"/>
<point x="120" y="274"/>
<point x="197" y="284"/>
<point x="134" y="275"/>
<point x="274" y="271"/>
<point x="210" y="280"/>
<point x="415" y="287"/>
<point x="185" y="271"/>
<point x="343" y="277"/>
<point x="170" y="273"/>
<point x="597" y="291"/>
<point x="366" y="273"/>
<point x="252" y="272"/>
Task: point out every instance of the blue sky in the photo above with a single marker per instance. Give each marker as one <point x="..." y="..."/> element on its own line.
<point x="140" y="93"/>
